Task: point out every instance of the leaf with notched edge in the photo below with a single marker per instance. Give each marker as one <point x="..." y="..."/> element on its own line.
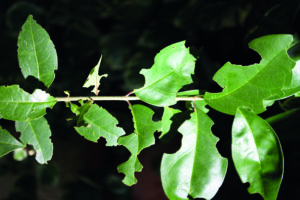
<point x="172" y="69"/>
<point x="253" y="86"/>
<point x="197" y="169"/>
<point x="36" y="52"/>
<point x="18" y="105"/>
<point x="37" y="133"/>
<point x="142" y="137"/>
<point x="257" y="154"/>
<point x="99" y="123"/>
<point x="94" y="79"/>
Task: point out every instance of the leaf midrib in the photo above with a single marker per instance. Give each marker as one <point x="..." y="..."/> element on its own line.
<point x="35" y="52"/>
<point x="256" y="148"/>
<point x="156" y="81"/>
<point x="222" y="94"/>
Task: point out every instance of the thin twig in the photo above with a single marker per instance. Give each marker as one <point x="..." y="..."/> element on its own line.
<point x="118" y="98"/>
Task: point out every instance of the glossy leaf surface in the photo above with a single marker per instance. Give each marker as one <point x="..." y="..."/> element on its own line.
<point x="18" y="105"/>
<point x="251" y="85"/>
<point x="94" y="78"/>
<point x="100" y="123"/>
<point x="37" y="133"/>
<point x="172" y="69"/>
<point x="197" y="169"/>
<point x="142" y="137"/>
<point x="257" y="154"/>
<point x="8" y="143"/>
<point x="36" y="52"/>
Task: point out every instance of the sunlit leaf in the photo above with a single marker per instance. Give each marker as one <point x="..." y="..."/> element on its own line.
<point x="172" y="69"/>
<point x="257" y="154"/>
<point x="197" y="169"/>
<point x="36" y="52"/>
<point x="251" y="85"/>
<point x="94" y="78"/>
<point x="99" y="123"/>
<point x="37" y="133"/>
<point x="8" y="143"/>
<point x="18" y="105"/>
<point x="142" y="137"/>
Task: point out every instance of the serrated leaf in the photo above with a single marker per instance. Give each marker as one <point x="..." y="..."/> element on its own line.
<point x="172" y="69"/>
<point x="250" y="86"/>
<point x="18" y="105"/>
<point x="8" y="143"/>
<point x="100" y="123"/>
<point x="37" y="133"/>
<point x="36" y="53"/>
<point x="197" y="169"/>
<point x="94" y="79"/>
<point x="257" y="154"/>
<point x="142" y="137"/>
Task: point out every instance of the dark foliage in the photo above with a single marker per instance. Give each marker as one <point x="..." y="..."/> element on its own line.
<point x="128" y="33"/>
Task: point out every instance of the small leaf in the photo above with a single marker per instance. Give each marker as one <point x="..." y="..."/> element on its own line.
<point x="257" y="154"/>
<point x="8" y="143"/>
<point x="37" y="133"/>
<point x="36" y="52"/>
<point x="166" y="120"/>
<point x="142" y="137"/>
<point x="18" y="105"/>
<point x="99" y="123"/>
<point x="197" y="169"/>
<point x="172" y="69"/>
<point x="251" y="86"/>
<point x="94" y="79"/>
<point x="188" y="93"/>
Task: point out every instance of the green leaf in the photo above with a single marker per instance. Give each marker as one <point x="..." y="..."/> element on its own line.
<point x="37" y="133"/>
<point x="94" y="79"/>
<point x="172" y="69"/>
<point x="251" y="85"/>
<point x="18" y="105"/>
<point x="188" y="93"/>
<point x="8" y="143"/>
<point x="166" y="120"/>
<point x="99" y="123"/>
<point x="197" y="169"/>
<point x="36" y="52"/>
<point x="142" y="137"/>
<point x="257" y="154"/>
<point x="294" y="87"/>
<point x="132" y="165"/>
<point x="79" y="111"/>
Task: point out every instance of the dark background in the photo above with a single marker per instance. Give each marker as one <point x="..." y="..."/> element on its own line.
<point x="129" y="33"/>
